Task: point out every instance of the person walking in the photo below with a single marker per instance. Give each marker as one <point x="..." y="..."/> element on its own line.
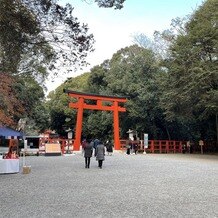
<point x="109" y="147"/>
<point x="96" y="142"/>
<point x="100" y="153"/>
<point x="135" y="147"/>
<point x="136" y="143"/>
<point x="88" y="149"/>
<point x="83" y="145"/>
<point x="128" y="146"/>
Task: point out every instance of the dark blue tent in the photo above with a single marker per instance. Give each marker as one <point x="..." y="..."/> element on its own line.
<point x="9" y="133"/>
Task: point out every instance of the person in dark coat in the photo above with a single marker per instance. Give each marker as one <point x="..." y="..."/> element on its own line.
<point x="109" y="147"/>
<point x="83" y="144"/>
<point x="96" y="142"/>
<point x="100" y="153"/>
<point x="128" y="146"/>
<point x="135" y="145"/>
<point x="88" y="149"/>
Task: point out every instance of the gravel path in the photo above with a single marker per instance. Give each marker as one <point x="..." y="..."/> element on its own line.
<point x="152" y="185"/>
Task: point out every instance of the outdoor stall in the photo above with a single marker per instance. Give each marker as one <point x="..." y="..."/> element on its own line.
<point x="9" y="163"/>
<point x="9" y="148"/>
<point x="9" y="166"/>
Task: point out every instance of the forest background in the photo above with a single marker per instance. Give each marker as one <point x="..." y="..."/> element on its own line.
<point x="171" y="80"/>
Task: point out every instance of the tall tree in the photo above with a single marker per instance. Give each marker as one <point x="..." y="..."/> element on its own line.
<point x="191" y="78"/>
<point x="41" y="36"/>
<point x="21" y="98"/>
<point x="35" y="34"/>
<point x="132" y="72"/>
<point x="62" y="117"/>
<point x="37" y="39"/>
<point x="10" y="106"/>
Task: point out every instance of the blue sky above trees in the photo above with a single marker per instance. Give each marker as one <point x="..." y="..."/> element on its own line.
<point x="114" y="29"/>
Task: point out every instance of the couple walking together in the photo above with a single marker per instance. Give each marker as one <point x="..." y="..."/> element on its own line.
<point x="99" y="152"/>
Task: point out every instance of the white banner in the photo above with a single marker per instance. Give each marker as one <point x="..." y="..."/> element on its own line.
<point x="145" y="140"/>
<point x="25" y="145"/>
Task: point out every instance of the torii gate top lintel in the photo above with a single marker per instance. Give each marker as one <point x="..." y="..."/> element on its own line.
<point x="95" y="96"/>
<point x="80" y="105"/>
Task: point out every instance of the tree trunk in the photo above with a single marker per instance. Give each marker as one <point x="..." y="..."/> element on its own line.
<point x="216" y="130"/>
<point x="168" y="134"/>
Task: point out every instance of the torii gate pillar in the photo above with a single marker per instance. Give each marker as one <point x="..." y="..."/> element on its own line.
<point x="80" y="105"/>
<point x="116" y="127"/>
<point x="79" y="121"/>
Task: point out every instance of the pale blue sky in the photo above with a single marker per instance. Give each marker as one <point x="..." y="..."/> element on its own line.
<point x="113" y="29"/>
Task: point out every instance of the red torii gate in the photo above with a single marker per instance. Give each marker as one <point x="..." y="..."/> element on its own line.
<point x="80" y="105"/>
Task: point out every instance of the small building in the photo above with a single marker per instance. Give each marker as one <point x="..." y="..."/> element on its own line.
<point x="33" y="141"/>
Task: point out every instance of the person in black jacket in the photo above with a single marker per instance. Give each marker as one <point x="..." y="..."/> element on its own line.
<point x="128" y="146"/>
<point x="88" y="149"/>
<point x="109" y="147"/>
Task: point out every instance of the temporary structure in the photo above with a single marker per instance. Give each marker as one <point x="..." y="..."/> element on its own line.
<point x="9" y="133"/>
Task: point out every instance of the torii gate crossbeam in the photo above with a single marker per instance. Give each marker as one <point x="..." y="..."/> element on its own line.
<point x="80" y="105"/>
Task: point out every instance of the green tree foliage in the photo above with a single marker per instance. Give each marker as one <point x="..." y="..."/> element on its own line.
<point x="30" y="95"/>
<point x="191" y="78"/>
<point x="96" y="81"/>
<point x="10" y="106"/>
<point x="28" y="92"/>
<point x="171" y="94"/>
<point x="40" y="118"/>
<point x="35" y="34"/>
<point x="38" y="38"/>
<point x="117" y="4"/>
<point x="98" y="124"/>
<point x="131" y="72"/>
<point x="62" y="117"/>
<point x="21" y="98"/>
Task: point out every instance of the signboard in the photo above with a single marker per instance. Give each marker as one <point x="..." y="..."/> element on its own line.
<point x="70" y="135"/>
<point x="25" y="145"/>
<point x="145" y="140"/>
<point x="201" y="143"/>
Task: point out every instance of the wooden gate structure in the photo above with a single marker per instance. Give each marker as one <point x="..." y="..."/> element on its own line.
<point x="81" y="103"/>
